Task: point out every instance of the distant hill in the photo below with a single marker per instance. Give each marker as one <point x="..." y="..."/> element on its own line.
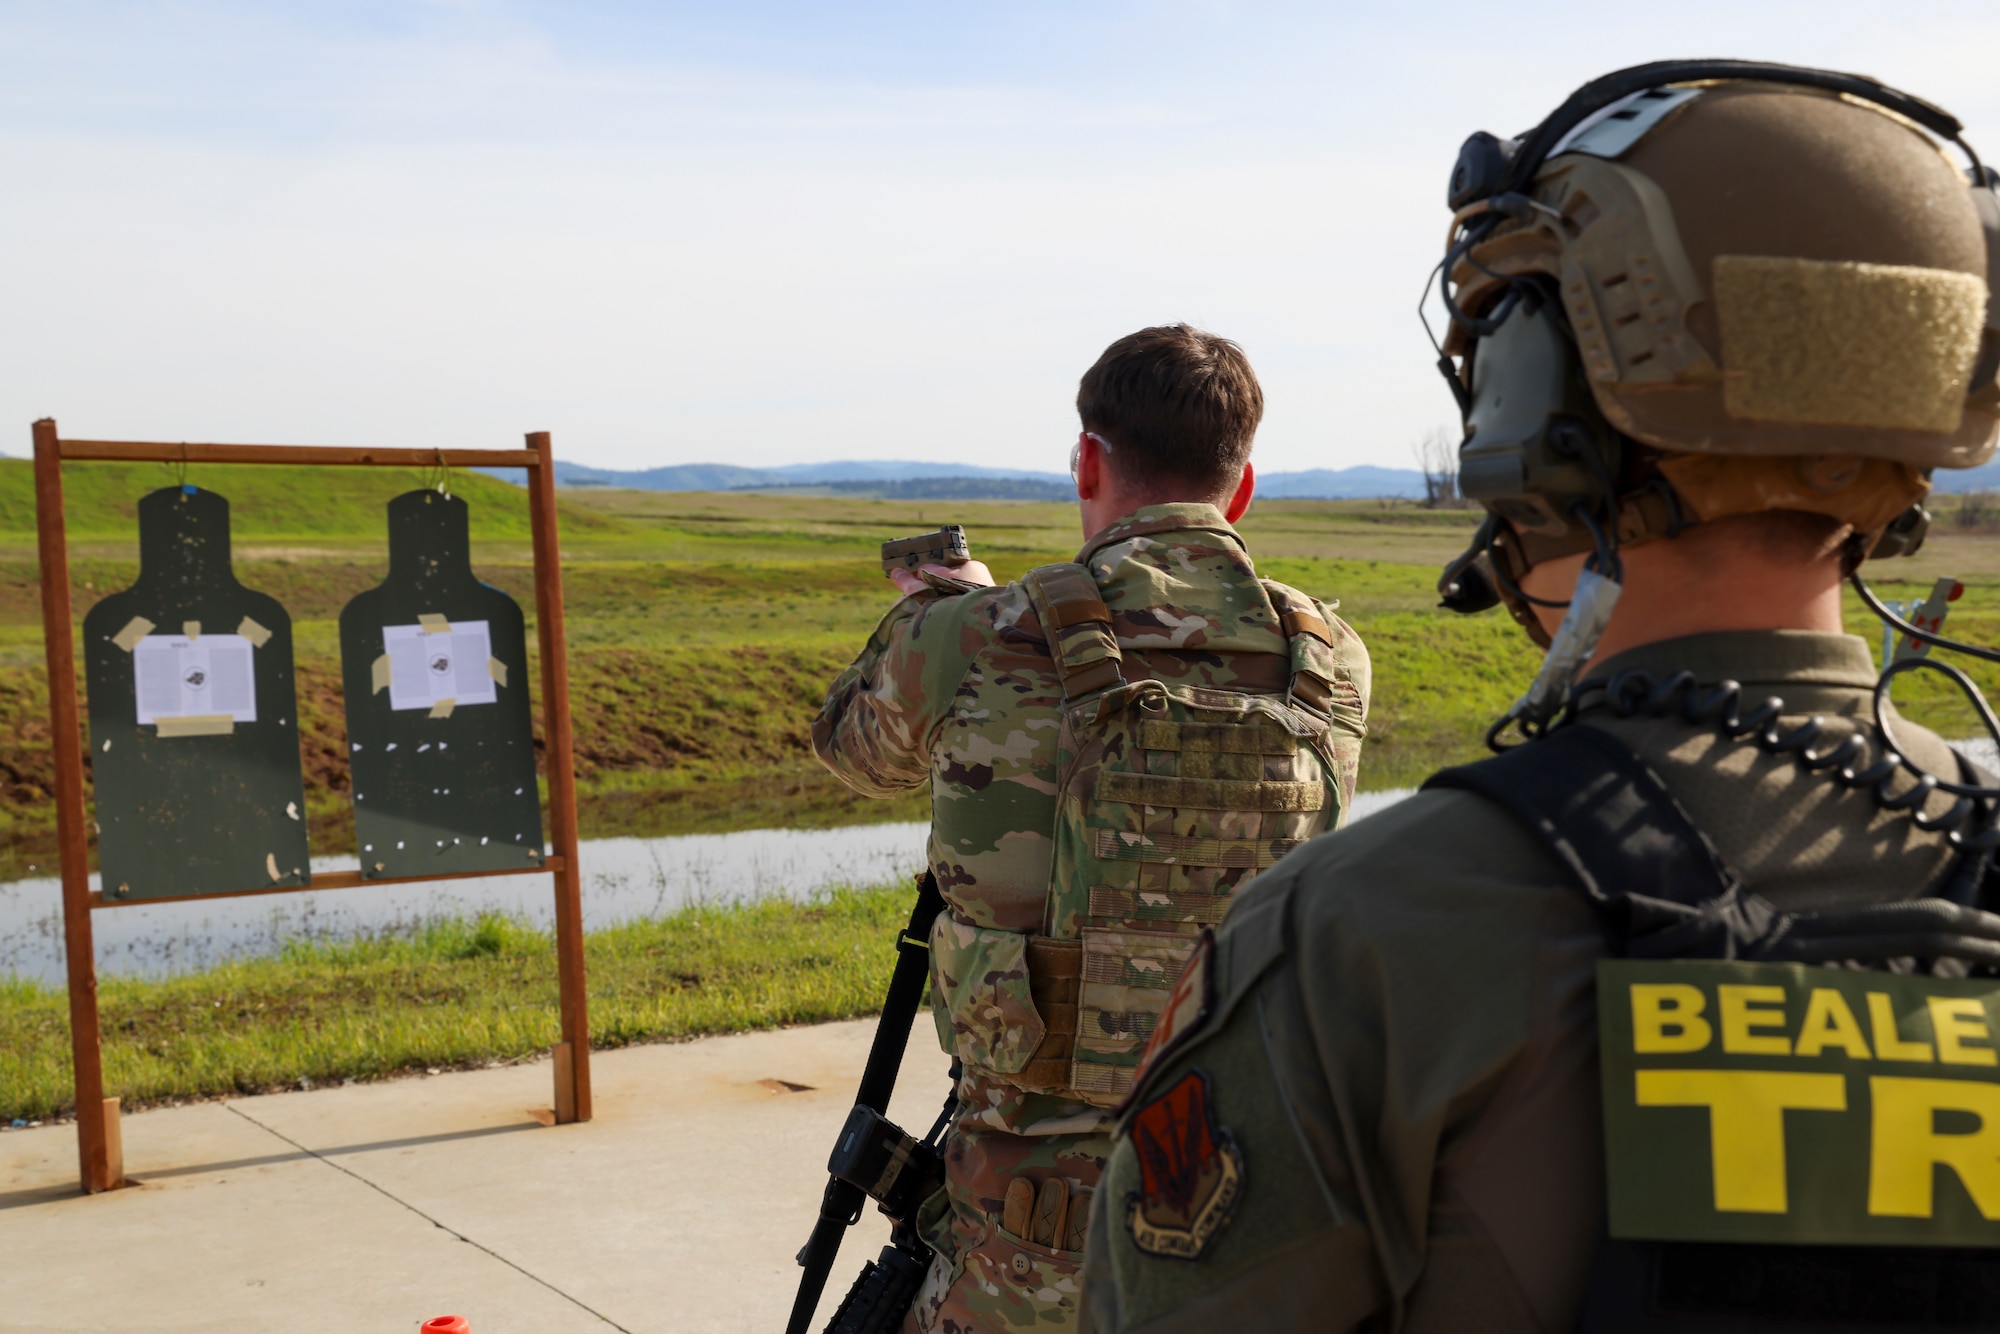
<point x="941" y="488"/>
<point x="1985" y="477"/>
<point x="1358" y="483"/>
<point x="896" y="478"/>
<point x="729" y="477"/>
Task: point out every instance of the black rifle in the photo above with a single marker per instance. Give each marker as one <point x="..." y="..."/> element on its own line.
<point x="874" y="1159"/>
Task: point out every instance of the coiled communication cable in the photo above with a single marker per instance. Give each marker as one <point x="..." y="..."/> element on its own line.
<point x="1970" y="824"/>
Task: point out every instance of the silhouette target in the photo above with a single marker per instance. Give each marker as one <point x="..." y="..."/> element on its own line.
<point x="194" y="743"/>
<point x="440" y="740"/>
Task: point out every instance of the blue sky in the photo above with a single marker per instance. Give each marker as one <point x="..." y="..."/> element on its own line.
<point x="774" y="233"/>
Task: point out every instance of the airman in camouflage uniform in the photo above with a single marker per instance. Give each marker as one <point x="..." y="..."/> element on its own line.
<point x="968" y="691"/>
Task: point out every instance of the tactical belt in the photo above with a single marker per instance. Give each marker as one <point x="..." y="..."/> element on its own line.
<point x="1664" y="892"/>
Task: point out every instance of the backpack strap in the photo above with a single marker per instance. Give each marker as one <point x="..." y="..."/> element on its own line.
<point x="1603" y="813"/>
<point x="1311" y="642"/>
<point x="1663" y="889"/>
<point x="1077" y="625"/>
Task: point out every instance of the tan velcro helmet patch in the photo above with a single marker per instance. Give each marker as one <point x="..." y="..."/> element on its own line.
<point x="1843" y="343"/>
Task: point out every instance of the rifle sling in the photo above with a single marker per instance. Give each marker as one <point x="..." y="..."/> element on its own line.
<point x="841" y="1206"/>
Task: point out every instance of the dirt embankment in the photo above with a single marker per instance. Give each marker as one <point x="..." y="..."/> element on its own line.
<point x="698" y="715"/>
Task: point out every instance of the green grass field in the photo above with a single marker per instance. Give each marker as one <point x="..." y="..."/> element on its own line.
<point x="703" y="630"/>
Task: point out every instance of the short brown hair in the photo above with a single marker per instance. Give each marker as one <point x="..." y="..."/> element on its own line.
<point x="1176" y="404"/>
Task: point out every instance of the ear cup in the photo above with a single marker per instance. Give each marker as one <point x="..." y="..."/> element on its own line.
<point x="1537" y="446"/>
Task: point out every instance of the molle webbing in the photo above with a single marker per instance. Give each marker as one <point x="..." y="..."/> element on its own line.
<point x="1139" y="905"/>
<point x="1099" y="999"/>
<point x="1183" y="850"/>
<point x="1255" y="738"/>
<point x="1055" y="971"/>
<point x="1077" y="625"/>
<point x="1210" y="794"/>
<point x="1127" y="978"/>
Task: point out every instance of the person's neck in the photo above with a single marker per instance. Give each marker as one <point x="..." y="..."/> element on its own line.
<point x="1672" y="593"/>
<point x="1712" y="578"/>
<point x="1101" y="501"/>
<point x="1099" y="513"/>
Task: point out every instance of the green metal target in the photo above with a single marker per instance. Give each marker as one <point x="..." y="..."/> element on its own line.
<point x="194" y="737"/>
<point x="440" y="737"/>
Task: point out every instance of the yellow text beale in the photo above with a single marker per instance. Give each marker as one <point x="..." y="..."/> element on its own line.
<point x="1676" y="1018"/>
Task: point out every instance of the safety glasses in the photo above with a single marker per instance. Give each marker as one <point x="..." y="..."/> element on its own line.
<point x="1076" y="451"/>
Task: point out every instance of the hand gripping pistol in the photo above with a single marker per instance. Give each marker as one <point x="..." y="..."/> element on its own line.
<point x="946" y="546"/>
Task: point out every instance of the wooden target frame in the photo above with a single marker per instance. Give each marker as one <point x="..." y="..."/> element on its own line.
<point x="99" y="1144"/>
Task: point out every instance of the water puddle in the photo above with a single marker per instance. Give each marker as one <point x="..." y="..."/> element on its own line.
<point x="623" y="879"/>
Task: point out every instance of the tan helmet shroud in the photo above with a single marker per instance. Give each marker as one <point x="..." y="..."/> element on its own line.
<point x="1779" y="273"/>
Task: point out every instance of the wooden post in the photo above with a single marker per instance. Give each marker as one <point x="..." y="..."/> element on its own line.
<point x="572" y="1067"/>
<point x="100" y="1168"/>
<point x="565" y="1083"/>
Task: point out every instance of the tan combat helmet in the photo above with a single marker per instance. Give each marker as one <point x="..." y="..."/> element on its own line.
<point x="1711" y="288"/>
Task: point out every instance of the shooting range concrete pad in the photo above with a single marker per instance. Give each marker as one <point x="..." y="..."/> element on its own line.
<point x="372" y="1207"/>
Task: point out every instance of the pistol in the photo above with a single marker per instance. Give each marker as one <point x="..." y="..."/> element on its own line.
<point x="946" y="546"/>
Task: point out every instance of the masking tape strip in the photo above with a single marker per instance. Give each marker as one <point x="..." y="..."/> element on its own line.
<point x="192" y="629"/>
<point x="378" y="674"/>
<point x="204" y="724"/>
<point x="255" y="633"/>
<point x="135" y="630"/>
<point x="497" y="670"/>
<point x="271" y="866"/>
<point x="443" y="708"/>
<point x="434" y="624"/>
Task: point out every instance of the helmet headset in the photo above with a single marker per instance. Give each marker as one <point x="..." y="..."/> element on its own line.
<point x="1539" y="451"/>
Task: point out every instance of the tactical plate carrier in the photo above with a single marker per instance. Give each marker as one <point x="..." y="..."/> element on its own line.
<point x="1171" y="799"/>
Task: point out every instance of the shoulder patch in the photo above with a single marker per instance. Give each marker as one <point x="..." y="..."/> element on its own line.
<point x="1190" y="1172"/>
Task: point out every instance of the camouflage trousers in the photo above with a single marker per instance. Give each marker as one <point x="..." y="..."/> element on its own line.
<point x="985" y="1278"/>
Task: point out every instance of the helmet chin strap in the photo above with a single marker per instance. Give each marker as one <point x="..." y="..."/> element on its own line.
<point x="1590" y="608"/>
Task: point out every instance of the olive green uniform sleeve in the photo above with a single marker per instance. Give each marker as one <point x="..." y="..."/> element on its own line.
<point x="1342" y="1060"/>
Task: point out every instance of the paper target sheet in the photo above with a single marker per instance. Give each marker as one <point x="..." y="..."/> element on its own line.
<point x="211" y="676"/>
<point x="428" y="667"/>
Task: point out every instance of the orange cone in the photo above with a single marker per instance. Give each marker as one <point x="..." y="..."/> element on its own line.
<point x="447" y="1324"/>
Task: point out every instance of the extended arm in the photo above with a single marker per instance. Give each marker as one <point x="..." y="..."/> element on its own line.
<point x="881" y="715"/>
